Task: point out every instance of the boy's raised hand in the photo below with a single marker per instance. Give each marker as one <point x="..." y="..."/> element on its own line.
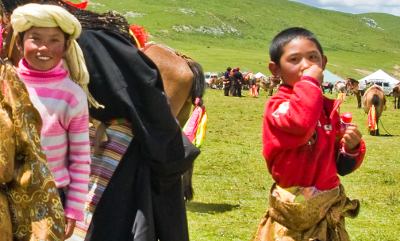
<point x="314" y="71"/>
<point x="351" y="137"/>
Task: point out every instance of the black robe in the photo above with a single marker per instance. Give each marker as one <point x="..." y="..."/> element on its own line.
<point x="144" y="198"/>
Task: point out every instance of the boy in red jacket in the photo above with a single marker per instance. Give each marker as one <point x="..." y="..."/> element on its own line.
<point x="305" y="146"/>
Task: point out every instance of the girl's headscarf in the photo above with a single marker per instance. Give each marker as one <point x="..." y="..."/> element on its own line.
<point x="43" y="15"/>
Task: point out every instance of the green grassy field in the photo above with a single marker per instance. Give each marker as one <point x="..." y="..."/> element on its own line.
<point x="221" y="33"/>
<point x="231" y="180"/>
<point x="230" y="177"/>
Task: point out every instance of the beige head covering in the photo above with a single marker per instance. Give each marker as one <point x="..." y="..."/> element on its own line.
<point x="44" y="15"/>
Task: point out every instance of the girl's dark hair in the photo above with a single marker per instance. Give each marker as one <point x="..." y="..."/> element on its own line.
<point x="287" y="35"/>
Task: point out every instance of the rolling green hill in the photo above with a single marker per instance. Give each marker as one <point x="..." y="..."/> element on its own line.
<point x="218" y="33"/>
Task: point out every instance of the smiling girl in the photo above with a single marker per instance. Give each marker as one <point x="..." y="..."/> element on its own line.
<point x="46" y="37"/>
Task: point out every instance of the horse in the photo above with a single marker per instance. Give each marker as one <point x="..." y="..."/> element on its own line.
<point x="253" y="84"/>
<point x="327" y="86"/>
<point x="374" y="102"/>
<point x="340" y="88"/>
<point x="268" y="84"/>
<point x="183" y="80"/>
<point x="352" y="86"/>
<point x="216" y="82"/>
<point x="396" y="95"/>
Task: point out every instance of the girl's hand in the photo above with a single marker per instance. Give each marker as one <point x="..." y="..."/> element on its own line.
<point x="351" y="137"/>
<point x="69" y="227"/>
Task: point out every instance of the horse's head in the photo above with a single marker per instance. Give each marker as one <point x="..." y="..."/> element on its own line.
<point x="340" y="86"/>
<point x="396" y="90"/>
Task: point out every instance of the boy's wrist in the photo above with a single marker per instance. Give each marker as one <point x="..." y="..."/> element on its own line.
<point x="310" y="78"/>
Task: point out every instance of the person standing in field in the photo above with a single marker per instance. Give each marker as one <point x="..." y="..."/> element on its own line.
<point x="226" y="81"/>
<point x="306" y="146"/>
<point x="238" y="76"/>
<point x="46" y="38"/>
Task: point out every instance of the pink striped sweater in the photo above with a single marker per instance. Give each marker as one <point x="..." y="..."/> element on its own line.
<point x="63" y="107"/>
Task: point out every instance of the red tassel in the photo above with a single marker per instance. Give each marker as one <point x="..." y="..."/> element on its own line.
<point x="372" y="126"/>
<point x="140" y="34"/>
<point x="81" y="5"/>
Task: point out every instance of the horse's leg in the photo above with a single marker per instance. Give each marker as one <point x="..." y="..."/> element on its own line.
<point x="358" y="95"/>
<point x="187" y="184"/>
<point x="271" y="90"/>
<point x="377" y="127"/>
<point x="187" y="176"/>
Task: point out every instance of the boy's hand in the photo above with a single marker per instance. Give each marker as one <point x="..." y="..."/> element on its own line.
<point x="314" y="71"/>
<point x="69" y="227"/>
<point x="351" y="137"/>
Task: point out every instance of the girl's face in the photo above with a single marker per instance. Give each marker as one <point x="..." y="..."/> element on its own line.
<point x="43" y="48"/>
<point x="299" y="54"/>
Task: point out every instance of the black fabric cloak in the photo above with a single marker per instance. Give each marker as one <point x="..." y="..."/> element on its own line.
<point x="144" y="198"/>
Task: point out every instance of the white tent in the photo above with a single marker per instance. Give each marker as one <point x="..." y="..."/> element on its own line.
<point x="259" y="75"/>
<point x="380" y="78"/>
<point x="331" y="77"/>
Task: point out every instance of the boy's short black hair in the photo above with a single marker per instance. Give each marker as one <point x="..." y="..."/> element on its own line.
<point x="287" y="35"/>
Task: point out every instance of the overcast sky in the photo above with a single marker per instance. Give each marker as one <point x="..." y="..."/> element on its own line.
<point x="357" y="6"/>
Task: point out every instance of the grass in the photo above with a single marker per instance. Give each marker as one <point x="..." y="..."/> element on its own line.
<point x="247" y="27"/>
<point x="231" y="181"/>
<point x="230" y="176"/>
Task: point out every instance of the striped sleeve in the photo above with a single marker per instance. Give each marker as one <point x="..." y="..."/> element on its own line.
<point x="78" y="159"/>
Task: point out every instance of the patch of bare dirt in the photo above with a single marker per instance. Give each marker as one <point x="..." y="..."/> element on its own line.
<point x="363" y="71"/>
<point x="396" y="71"/>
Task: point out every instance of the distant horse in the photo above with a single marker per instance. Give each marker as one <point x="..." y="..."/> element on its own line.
<point x="327" y="86"/>
<point x="251" y="79"/>
<point x="268" y="84"/>
<point x="216" y="82"/>
<point x="396" y="95"/>
<point x="374" y="102"/>
<point x="340" y="88"/>
<point x="352" y="86"/>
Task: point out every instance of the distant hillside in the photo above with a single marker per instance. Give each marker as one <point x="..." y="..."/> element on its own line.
<point x="221" y="33"/>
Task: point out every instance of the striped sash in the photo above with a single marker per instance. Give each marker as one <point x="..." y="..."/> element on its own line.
<point x="104" y="162"/>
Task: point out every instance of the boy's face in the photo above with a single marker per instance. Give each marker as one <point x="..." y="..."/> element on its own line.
<point x="297" y="55"/>
<point x="43" y="48"/>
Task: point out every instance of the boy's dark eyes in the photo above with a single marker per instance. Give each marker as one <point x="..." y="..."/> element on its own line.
<point x="314" y="57"/>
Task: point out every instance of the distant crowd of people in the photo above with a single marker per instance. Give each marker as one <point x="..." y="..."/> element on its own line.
<point x="233" y="80"/>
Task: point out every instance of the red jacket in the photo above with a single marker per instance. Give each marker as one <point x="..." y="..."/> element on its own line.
<point x="301" y="138"/>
